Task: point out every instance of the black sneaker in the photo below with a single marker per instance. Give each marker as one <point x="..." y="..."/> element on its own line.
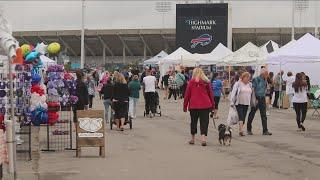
<point x="267" y="133"/>
<point x="249" y="133"/>
<point x="302" y="127"/>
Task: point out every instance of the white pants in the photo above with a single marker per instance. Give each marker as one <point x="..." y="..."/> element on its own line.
<point x="133" y="106"/>
<point x="290" y="100"/>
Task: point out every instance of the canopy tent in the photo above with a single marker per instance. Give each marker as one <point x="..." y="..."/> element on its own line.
<point x="154" y="60"/>
<point x="172" y="59"/>
<point x="217" y="54"/>
<point x="304" y="50"/>
<point x="248" y="55"/>
<point x="289" y="44"/>
<point x="176" y="56"/>
<point x="191" y="60"/>
<point x="275" y="48"/>
<point x="270" y="47"/>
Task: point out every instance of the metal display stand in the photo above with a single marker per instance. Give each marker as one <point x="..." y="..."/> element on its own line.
<point x="59" y="135"/>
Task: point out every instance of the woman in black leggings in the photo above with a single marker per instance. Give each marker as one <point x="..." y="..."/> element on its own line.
<point x="300" y="100"/>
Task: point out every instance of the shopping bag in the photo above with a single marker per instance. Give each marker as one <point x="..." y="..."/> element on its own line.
<point x="232" y="116"/>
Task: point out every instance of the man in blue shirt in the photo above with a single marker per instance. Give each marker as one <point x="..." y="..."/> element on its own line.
<point x="217" y="90"/>
<point x="259" y="85"/>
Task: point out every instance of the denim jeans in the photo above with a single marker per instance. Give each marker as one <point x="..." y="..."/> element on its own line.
<point x="262" y="108"/>
<point x="107" y="104"/>
<point x="133" y="106"/>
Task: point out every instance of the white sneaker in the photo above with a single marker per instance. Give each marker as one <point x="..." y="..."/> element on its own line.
<point x="268" y="113"/>
<point x="175" y="101"/>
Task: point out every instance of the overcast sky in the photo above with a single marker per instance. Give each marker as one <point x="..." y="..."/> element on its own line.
<point x="66" y="15"/>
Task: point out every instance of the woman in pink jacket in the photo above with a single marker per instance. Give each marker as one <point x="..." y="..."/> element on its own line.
<point x="199" y="100"/>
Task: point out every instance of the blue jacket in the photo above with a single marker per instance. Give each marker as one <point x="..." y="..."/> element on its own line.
<point x="217" y="87"/>
<point x="260" y="86"/>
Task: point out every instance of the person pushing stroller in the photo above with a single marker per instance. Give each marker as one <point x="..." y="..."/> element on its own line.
<point x="149" y="89"/>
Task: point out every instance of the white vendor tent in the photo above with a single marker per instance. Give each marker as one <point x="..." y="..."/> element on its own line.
<point x="302" y="55"/>
<point x="176" y="56"/>
<point x="217" y="54"/>
<point x="154" y="60"/>
<point x="289" y="44"/>
<point x="304" y="50"/>
<point x="191" y="60"/>
<point x="172" y="59"/>
<point x="248" y="55"/>
<point x="270" y="47"/>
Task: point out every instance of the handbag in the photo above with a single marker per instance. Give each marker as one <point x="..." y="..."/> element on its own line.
<point x="233" y="117"/>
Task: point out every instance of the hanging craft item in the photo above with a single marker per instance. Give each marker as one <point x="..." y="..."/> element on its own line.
<point x="38" y="105"/>
<point x="55" y="87"/>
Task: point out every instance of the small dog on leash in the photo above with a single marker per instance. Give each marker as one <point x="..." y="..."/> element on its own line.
<point x="225" y="135"/>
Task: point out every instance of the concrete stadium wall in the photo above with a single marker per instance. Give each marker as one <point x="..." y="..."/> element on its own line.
<point x="66" y="15"/>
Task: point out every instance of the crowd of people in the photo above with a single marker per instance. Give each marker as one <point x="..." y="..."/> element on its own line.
<point x="201" y="95"/>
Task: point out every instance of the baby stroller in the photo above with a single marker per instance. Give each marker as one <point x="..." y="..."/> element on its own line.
<point x="158" y="107"/>
<point x="128" y="119"/>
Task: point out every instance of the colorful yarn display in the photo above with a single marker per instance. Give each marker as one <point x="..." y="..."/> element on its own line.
<point x="39" y="116"/>
<point x="55" y="87"/>
<point x="53" y="117"/>
<point x="38" y="105"/>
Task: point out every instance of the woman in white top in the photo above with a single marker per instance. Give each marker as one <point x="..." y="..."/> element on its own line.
<point x="241" y="98"/>
<point x="289" y="88"/>
<point x="300" y="100"/>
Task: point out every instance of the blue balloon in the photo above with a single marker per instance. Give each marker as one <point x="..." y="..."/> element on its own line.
<point x="35" y="78"/>
<point x="32" y="56"/>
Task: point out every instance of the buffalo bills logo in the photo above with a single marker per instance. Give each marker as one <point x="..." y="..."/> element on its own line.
<point x="203" y="40"/>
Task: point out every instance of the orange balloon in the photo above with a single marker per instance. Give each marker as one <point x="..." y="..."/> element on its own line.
<point x="19" y="57"/>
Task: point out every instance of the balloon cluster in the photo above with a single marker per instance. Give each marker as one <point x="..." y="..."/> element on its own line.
<point x="29" y="55"/>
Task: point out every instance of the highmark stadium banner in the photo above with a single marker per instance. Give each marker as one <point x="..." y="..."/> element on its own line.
<point x="201" y="27"/>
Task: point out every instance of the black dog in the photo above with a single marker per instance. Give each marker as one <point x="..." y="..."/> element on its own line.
<point x="225" y="134"/>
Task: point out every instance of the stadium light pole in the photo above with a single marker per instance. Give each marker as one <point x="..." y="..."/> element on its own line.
<point x="316" y="33"/>
<point x="82" y="34"/>
<point x="229" y="40"/>
<point x="292" y="18"/>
